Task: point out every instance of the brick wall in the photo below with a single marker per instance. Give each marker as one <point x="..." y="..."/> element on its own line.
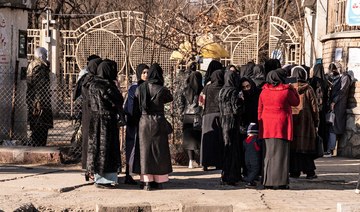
<point x="330" y="46"/>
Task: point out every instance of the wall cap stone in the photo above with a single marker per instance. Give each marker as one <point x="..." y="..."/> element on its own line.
<point x="339" y="35"/>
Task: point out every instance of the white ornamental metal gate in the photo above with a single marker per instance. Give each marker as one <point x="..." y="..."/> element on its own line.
<point x="242" y="41"/>
<point x="284" y="42"/>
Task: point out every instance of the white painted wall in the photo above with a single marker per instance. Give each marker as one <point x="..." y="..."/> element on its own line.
<point x="11" y="21"/>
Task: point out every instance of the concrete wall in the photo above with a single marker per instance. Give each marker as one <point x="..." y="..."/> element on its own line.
<point x="11" y="21"/>
<point x="349" y="143"/>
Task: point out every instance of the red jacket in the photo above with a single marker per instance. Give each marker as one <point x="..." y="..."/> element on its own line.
<point x="274" y="111"/>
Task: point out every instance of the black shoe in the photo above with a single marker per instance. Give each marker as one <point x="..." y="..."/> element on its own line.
<point x="283" y="187"/>
<point x="250" y="185"/>
<point x="292" y="175"/>
<point x="156" y="185"/>
<point x="205" y="168"/>
<point x="129" y="180"/>
<point x="310" y="177"/>
<point x="105" y="186"/>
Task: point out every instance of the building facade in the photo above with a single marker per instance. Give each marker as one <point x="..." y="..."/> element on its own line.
<point x="329" y="38"/>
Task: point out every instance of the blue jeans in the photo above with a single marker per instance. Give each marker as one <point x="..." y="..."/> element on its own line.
<point x="331" y="141"/>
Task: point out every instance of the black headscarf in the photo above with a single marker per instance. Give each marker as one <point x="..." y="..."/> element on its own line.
<point x="319" y="78"/>
<point x="259" y="72"/>
<point x="276" y="77"/>
<point x="217" y="78"/>
<point x="139" y="70"/>
<point x="92" y="71"/>
<point x="249" y="70"/>
<point x="193" y="86"/>
<point x="88" y="77"/>
<point x="213" y="66"/>
<point x="155" y="76"/>
<point x="232" y="80"/>
<point x="272" y="65"/>
<point x="287" y="68"/>
<point x="319" y="71"/>
<point x="231" y="87"/>
<point x="107" y="70"/>
<point x="232" y="66"/>
<point x="299" y="73"/>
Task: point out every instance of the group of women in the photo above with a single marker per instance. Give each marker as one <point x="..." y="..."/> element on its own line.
<point x="215" y="116"/>
<point x="147" y="149"/>
<point x="286" y="103"/>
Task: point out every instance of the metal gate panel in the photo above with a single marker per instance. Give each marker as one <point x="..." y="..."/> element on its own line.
<point x="284" y="41"/>
<point x="104" y="43"/>
<point x="236" y="37"/>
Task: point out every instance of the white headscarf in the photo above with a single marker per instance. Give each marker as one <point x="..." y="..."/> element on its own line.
<point x="41" y="53"/>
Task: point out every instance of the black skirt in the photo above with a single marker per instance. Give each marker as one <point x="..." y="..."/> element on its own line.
<point x="276" y="162"/>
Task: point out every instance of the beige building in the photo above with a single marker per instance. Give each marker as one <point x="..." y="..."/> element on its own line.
<point x="329" y="38"/>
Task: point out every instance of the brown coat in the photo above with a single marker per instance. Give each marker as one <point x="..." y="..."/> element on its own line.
<point x="305" y="120"/>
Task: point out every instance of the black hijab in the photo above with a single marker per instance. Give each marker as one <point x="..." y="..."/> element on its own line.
<point x="217" y="78"/>
<point x="299" y="73"/>
<point x="259" y="72"/>
<point x="155" y="76"/>
<point x="231" y="86"/>
<point x="213" y="66"/>
<point x="92" y="71"/>
<point x="232" y="80"/>
<point x="107" y="70"/>
<point x="139" y="70"/>
<point x="271" y="65"/>
<point x="319" y="71"/>
<point x="193" y="86"/>
<point x="249" y="70"/>
<point x="319" y="78"/>
<point x="276" y="77"/>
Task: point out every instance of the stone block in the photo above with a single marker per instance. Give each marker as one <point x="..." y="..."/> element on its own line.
<point x="350" y="123"/>
<point x="355" y="151"/>
<point x="29" y="155"/>
<point x="348" y="207"/>
<point x="207" y="208"/>
<point x="355" y="140"/>
<point x="144" y="207"/>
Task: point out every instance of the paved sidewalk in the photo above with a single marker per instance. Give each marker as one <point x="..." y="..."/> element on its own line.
<point x="63" y="188"/>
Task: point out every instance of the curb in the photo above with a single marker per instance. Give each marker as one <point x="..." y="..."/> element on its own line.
<point x="143" y="207"/>
<point x="29" y="155"/>
<point x="348" y="207"/>
<point x="207" y="208"/>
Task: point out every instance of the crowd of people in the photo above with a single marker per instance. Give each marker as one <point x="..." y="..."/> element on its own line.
<point x="259" y="123"/>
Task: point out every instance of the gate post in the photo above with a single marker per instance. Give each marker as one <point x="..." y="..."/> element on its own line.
<point x="49" y="37"/>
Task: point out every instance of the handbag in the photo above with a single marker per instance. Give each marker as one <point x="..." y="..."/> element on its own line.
<point x="330" y="117"/>
<point x="168" y="127"/>
<point x="197" y="122"/>
<point x="319" y="147"/>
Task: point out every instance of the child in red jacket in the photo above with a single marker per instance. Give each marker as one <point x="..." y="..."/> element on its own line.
<point x="252" y="151"/>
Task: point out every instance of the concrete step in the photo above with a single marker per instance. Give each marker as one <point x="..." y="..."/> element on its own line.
<point x="29" y="155"/>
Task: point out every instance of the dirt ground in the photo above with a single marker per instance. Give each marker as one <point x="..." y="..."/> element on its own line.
<point x="63" y="188"/>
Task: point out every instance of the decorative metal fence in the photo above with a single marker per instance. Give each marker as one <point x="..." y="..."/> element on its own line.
<point x="117" y="36"/>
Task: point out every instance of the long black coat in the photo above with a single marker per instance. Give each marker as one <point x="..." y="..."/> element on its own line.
<point x="339" y="95"/>
<point x="104" y="148"/>
<point x="38" y="96"/>
<point x="155" y="156"/>
<point x="231" y="109"/>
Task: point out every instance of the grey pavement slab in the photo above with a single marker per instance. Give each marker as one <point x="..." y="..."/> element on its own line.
<point x="41" y="178"/>
<point x="188" y="190"/>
